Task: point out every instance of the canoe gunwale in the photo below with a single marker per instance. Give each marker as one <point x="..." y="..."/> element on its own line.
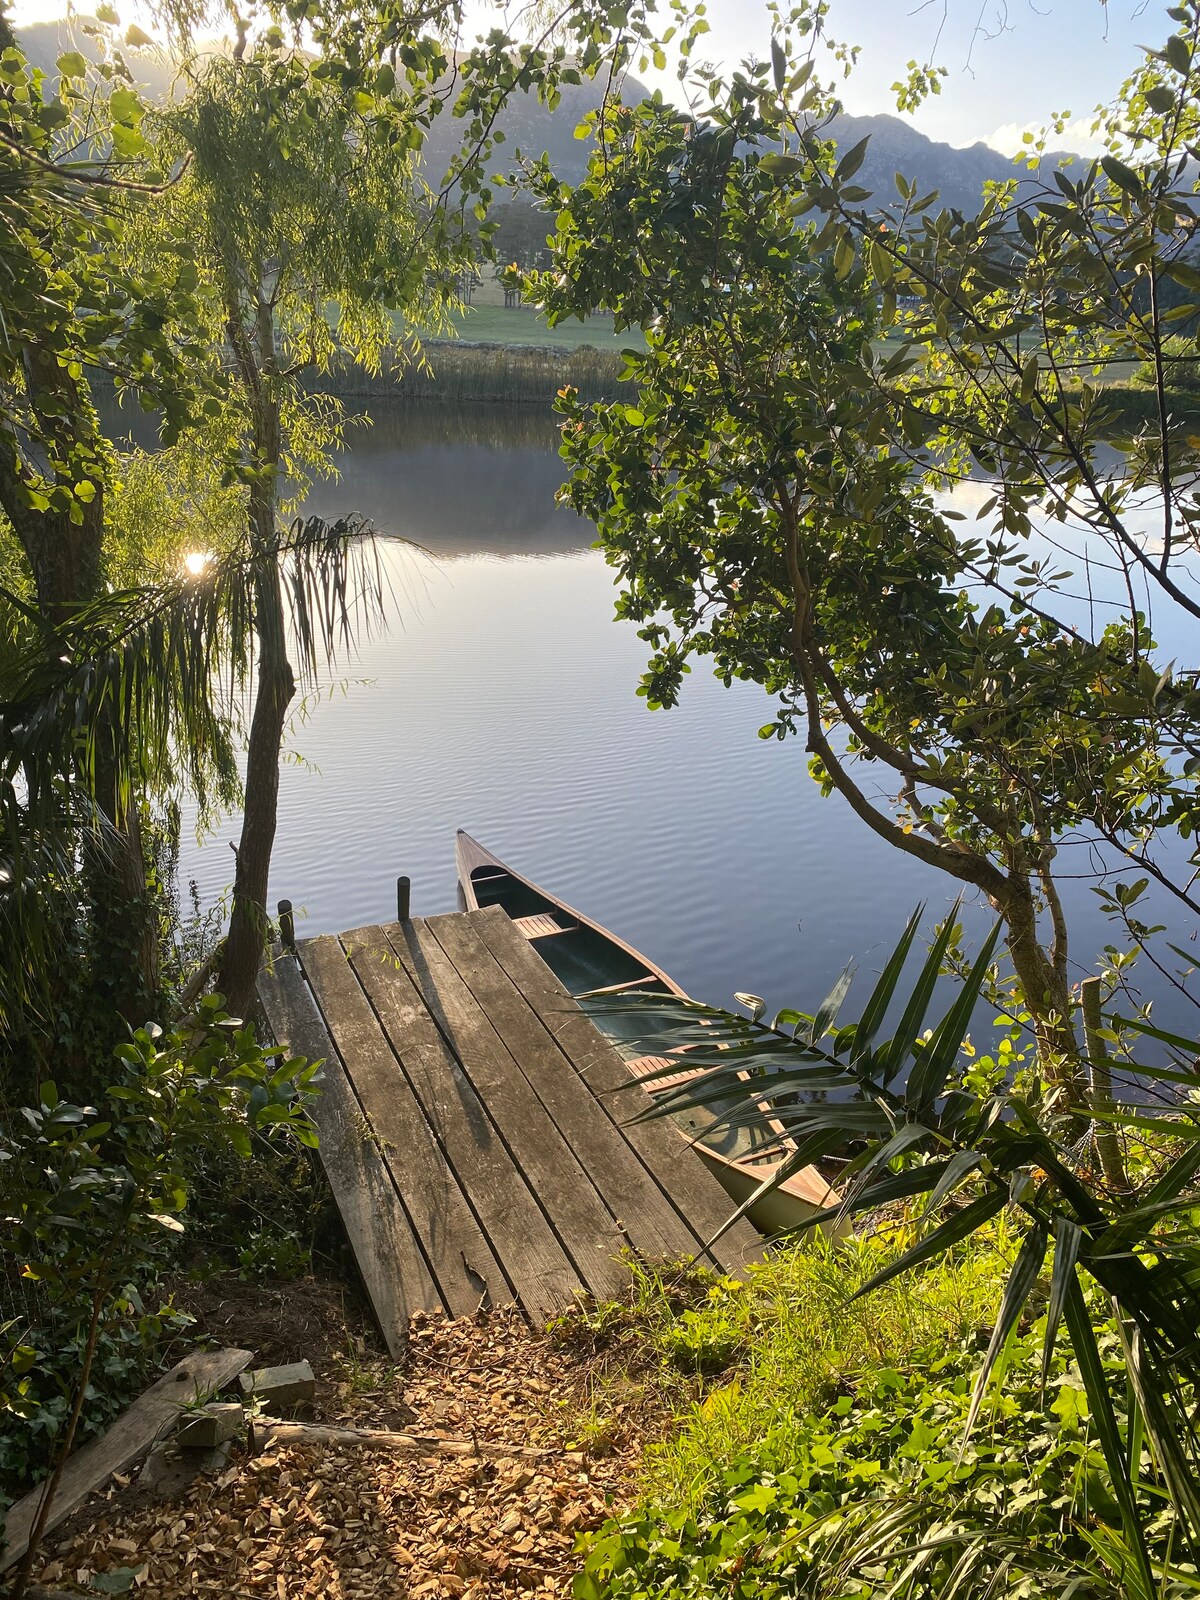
<point x="806" y="1187"/>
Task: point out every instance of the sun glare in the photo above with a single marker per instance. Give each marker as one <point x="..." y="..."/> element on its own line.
<point x="195" y="562"/>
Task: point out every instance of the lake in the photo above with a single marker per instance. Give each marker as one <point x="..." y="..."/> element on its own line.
<point x="502" y="700"/>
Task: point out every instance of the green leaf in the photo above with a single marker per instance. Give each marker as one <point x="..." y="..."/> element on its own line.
<point x="893" y="1055"/>
<point x="1161" y="99"/>
<point x="780" y="166"/>
<point x="827" y="1011"/>
<point x="956" y="1172"/>
<point x="1095" y="1382"/>
<point x="871" y="1020"/>
<point x="1067" y="1238"/>
<point x="938" y="1055"/>
<point x="117" y="1580"/>
<point x="1016" y="1292"/>
<point x="72" y="65"/>
<point x="852" y="160"/>
<point x="1179" y="53"/>
<point x="956" y="1228"/>
<point x="125" y="106"/>
<point x="1124" y="177"/>
<point x="778" y="64"/>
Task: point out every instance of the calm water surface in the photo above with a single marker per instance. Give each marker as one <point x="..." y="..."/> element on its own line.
<point x="502" y="700"/>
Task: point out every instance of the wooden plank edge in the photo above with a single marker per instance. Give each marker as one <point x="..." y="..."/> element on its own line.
<point x="339" y="1103"/>
<point x="268" y="1432"/>
<point x="134" y="1431"/>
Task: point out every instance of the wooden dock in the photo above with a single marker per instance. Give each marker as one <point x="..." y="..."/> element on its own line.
<point x="475" y="1125"/>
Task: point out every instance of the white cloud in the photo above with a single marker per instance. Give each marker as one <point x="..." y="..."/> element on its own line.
<point x="1077" y="136"/>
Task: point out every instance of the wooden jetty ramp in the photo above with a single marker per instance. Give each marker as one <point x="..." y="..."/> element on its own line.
<point x="475" y="1125"/>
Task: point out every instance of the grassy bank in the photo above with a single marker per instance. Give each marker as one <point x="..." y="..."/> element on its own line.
<point x="523" y="325"/>
<point x="815" y="1447"/>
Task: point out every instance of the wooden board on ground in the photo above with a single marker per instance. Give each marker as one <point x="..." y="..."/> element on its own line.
<point x="586" y="1229"/>
<point x="393" y="1267"/>
<point x="646" y="1217"/>
<point x="521" y="1235"/>
<point x="459" y="1255"/>
<point x="150" y="1416"/>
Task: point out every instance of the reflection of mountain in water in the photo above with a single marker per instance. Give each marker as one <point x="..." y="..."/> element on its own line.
<point x="459" y="481"/>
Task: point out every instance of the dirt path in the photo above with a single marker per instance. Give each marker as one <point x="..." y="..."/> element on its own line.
<point x="352" y="1524"/>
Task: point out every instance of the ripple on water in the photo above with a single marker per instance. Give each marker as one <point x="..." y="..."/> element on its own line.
<point x="502" y="700"/>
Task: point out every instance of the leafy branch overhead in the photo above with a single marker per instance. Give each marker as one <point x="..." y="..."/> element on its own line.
<point x="824" y="368"/>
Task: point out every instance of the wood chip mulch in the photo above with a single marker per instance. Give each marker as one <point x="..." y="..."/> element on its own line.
<point x="357" y="1524"/>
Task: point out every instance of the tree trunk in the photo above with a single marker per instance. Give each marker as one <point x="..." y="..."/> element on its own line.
<point x="125" y="953"/>
<point x="249" y="920"/>
<point x="65" y="560"/>
<point x="1046" y="993"/>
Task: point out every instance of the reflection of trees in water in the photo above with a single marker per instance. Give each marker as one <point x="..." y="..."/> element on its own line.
<point x="457" y="479"/>
<point x="409" y="426"/>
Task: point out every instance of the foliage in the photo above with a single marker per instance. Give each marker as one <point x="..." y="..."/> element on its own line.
<point x="140" y="1324"/>
<point x="978" y="1144"/>
<point x="94" y="1196"/>
<point x="826" y="1461"/>
<point x="769" y="495"/>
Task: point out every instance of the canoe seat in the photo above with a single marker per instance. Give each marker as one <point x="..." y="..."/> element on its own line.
<point x="540" y="926"/>
<point x="643" y="1066"/>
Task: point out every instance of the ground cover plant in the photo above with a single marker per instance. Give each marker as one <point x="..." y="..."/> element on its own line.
<point x="93" y="1194"/>
<point x="821" y="1454"/>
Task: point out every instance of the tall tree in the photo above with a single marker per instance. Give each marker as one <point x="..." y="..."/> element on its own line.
<point x="75" y="312"/>
<point x="302" y="212"/>
<point x="767" y="494"/>
<point x="319" y="236"/>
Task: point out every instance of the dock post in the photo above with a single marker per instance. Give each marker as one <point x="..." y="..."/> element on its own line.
<point x="403" y="895"/>
<point x="287" y="926"/>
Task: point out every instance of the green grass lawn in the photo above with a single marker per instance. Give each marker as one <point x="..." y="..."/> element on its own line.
<point x="485" y="324"/>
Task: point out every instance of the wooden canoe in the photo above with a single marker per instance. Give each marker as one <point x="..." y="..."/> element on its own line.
<point x="589" y="961"/>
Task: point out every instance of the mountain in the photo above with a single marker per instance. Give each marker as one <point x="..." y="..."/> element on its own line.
<point x="958" y="175"/>
<point x="44" y="42"/>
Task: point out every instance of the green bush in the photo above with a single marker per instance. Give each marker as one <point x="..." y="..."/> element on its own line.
<point x="94" y="1199"/>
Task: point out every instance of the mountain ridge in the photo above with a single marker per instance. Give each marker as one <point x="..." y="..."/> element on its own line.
<point x="957" y="173"/>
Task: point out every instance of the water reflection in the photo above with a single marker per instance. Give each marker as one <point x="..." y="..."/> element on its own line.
<point x="503" y="701"/>
<point x="459" y="481"/>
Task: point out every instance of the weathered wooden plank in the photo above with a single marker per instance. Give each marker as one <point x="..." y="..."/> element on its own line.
<point x="394" y="1270"/>
<point x="588" y="1232"/>
<point x="697" y="1195"/>
<point x="459" y="1256"/>
<point x="532" y="1257"/>
<point x="135" y="1430"/>
<point x="650" y="1221"/>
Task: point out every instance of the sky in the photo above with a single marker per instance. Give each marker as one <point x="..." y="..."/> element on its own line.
<point x="1011" y="63"/>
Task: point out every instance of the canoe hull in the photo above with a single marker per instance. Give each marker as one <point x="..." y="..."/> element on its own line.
<point x="586" y="958"/>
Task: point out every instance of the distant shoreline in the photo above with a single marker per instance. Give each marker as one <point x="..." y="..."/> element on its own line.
<point x="498" y="374"/>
